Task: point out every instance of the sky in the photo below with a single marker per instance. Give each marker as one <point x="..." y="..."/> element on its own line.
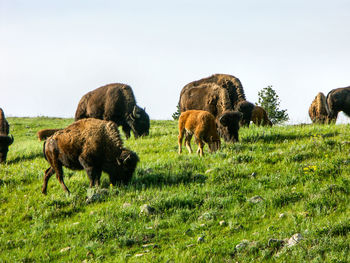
<point x="53" y="52"/>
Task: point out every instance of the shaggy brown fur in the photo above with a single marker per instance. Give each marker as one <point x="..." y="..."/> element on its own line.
<point x="318" y="110"/>
<point x="259" y="116"/>
<point x="338" y="100"/>
<point x="45" y="133"/>
<point x="5" y="140"/>
<point x="202" y="125"/>
<point x="209" y="97"/>
<point x="232" y="84"/>
<point x="115" y="102"/>
<point x="90" y="144"/>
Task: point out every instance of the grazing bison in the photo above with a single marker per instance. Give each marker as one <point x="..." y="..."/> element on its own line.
<point x="338" y="100"/>
<point x="5" y="139"/>
<point x="318" y="110"/>
<point x="259" y="116"/>
<point x="228" y="124"/>
<point x="246" y="108"/>
<point x="202" y="125"/>
<point x="45" y="133"/>
<point x="232" y="84"/>
<point x="216" y="100"/>
<point x="115" y="102"/>
<point x="90" y="144"/>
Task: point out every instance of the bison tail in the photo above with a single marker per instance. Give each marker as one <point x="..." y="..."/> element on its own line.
<point x="44" y="150"/>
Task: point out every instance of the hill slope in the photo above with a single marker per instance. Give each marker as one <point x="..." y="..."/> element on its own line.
<point x="242" y="203"/>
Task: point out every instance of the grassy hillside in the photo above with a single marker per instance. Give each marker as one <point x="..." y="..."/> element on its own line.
<point x="298" y="177"/>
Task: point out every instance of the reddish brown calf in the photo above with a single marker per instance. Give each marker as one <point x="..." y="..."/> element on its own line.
<point x="202" y="125"/>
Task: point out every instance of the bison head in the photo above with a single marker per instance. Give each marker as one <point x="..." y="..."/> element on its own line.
<point x="5" y="142"/>
<point x="139" y="122"/>
<point x="246" y="108"/>
<point x="228" y="125"/>
<point x="126" y="165"/>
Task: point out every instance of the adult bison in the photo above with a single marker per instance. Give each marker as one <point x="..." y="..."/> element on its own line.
<point x="235" y="91"/>
<point x="5" y="139"/>
<point x="115" y="102"/>
<point x="260" y="117"/>
<point x="318" y="110"/>
<point x="90" y="144"/>
<point x="338" y="100"/>
<point x="214" y="99"/>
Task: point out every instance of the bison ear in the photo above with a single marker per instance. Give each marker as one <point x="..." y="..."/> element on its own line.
<point x="223" y="120"/>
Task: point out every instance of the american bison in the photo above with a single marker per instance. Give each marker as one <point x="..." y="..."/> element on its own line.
<point x="45" y="133"/>
<point x="338" y="100"/>
<point x="90" y="144"/>
<point x="318" y="110"/>
<point x="228" y="125"/>
<point x="232" y="84"/>
<point x="246" y="108"/>
<point x="259" y="116"/>
<point x="5" y="139"/>
<point x="202" y="125"/>
<point x="115" y="102"/>
<point x="216" y="100"/>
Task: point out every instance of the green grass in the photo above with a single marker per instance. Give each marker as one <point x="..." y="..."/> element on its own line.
<point x="300" y="171"/>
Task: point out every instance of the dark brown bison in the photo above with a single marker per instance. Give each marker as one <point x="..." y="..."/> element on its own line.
<point x="235" y="94"/>
<point x="90" y="144"/>
<point x="5" y="139"/>
<point x="202" y="125"/>
<point x="246" y="108"/>
<point x="216" y="100"/>
<point x="45" y="133"/>
<point x="318" y="110"/>
<point x="115" y="102"/>
<point x="232" y="84"/>
<point x="228" y="125"/>
<point x="338" y="100"/>
<point x="259" y="116"/>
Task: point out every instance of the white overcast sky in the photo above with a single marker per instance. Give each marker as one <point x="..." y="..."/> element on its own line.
<point x="53" y="52"/>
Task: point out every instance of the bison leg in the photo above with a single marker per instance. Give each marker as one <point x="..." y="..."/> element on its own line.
<point x="92" y="172"/>
<point x="126" y="129"/>
<point x="200" y="147"/>
<point x="48" y="173"/>
<point x="180" y="138"/>
<point x="188" y="138"/>
<point x="59" y="176"/>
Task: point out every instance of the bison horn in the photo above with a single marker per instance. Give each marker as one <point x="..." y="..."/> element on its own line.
<point x="134" y="112"/>
<point x="127" y="158"/>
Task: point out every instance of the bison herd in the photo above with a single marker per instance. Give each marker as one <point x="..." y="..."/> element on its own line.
<point x="211" y="108"/>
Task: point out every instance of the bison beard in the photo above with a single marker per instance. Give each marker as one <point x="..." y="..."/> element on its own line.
<point x="90" y="144"/>
<point x="115" y="102"/>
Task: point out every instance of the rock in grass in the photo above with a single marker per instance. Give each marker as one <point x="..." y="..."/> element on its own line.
<point x="96" y="195"/>
<point x="244" y="243"/>
<point x="295" y="239"/>
<point x="222" y="223"/>
<point x="200" y="239"/>
<point x="256" y="199"/>
<point x="146" y="209"/>
<point x="65" y="249"/>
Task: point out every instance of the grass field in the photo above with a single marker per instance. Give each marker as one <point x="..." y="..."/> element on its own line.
<point x="203" y="211"/>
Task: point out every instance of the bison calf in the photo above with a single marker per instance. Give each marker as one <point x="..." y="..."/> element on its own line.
<point x="45" y="133"/>
<point x="202" y="125"/>
<point x="90" y="144"/>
